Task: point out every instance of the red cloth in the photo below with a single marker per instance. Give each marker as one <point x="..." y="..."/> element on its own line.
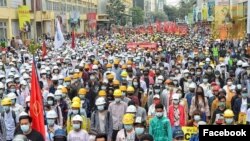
<point x="182" y="115"/>
<point x="73" y="40"/>
<point x="44" y="50"/>
<point x="36" y="104"/>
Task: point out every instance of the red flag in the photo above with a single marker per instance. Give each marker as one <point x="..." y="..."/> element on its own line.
<point x="73" y="39"/>
<point x="36" y="104"/>
<point x="158" y="26"/>
<point x="44" y="50"/>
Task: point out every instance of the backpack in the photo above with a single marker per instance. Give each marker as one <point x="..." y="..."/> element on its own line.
<point x="13" y="116"/>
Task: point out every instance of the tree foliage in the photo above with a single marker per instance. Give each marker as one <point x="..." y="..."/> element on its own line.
<point x="116" y="10"/>
<point x="160" y="16"/>
<point x="171" y="12"/>
<point x="137" y="15"/>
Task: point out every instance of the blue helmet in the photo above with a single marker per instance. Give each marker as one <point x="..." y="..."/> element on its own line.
<point x="60" y="132"/>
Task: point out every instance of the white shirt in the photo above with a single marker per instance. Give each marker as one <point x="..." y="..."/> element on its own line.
<point x="50" y="137"/>
<point x="82" y="135"/>
<point x="243" y="107"/>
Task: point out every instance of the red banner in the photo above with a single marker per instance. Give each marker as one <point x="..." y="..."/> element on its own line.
<point x="145" y="45"/>
<point x="91" y="17"/>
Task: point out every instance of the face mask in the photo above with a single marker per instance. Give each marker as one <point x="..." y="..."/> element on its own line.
<point x="176" y="101"/>
<point x="197" y="118"/>
<point x="186" y="75"/>
<point x="60" y="82"/>
<point x="229" y="83"/>
<point x="157" y="91"/>
<point x="63" y="95"/>
<point x="103" y="87"/>
<point x="76" y="126"/>
<point x="244" y="95"/>
<point x="189" y="80"/>
<point x="82" y="96"/>
<point x="75" y="112"/>
<point x="198" y="73"/>
<point x="159" y="114"/>
<point x="128" y="127"/>
<point x="222" y="104"/>
<point x="100" y="107"/>
<point x="50" y="121"/>
<point x="229" y="120"/>
<point x="209" y="71"/>
<point x="1" y="91"/>
<point x="135" y="84"/>
<point x="205" y="80"/>
<point x="123" y="94"/>
<point x="25" y="128"/>
<point x="139" y="130"/>
<point x="50" y="102"/>
<point x="6" y="108"/>
<point x="159" y="81"/>
<point x="117" y="100"/>
<point x="57" y="97"/>
<point x="175" y="82"/>
<point x="13" y="101"/>
<point x="12" y="90"/>
<point x="92" y="77"/>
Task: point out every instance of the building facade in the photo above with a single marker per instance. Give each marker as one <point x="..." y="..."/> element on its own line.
<point x="43" y="14"/>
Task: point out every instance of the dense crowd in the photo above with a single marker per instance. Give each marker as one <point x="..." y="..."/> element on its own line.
<point x="105" y="91"/>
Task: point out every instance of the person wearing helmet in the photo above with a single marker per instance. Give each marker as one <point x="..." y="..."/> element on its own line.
<point x="131" y="109"/>
<point x="160" y="123"/>
<point x="85" y="104"/>
<point x="241" y="105"/>
<point x="51" y="127"/>
<point x="17" y="108"/>
<point x="140" y="128"/>
<point x="151" y="110"/>
<point x="128" y="132"/>
<point x="178" y="135"/>
<point x="75" y="110"/>
<point x="60" y="135"/>
<point x="53" y="105"/>
<point x="54" y="85"/>
<point x="107" y="76"/>
<point x="117" y="70"/>
<point x="117" y="108"/>
<point x="77" y="132"/>
<point x="101" y="119"/>
<point x="9" y="117"/>
<point x="45" y="79"/>
<point x="125" y="99"/>
<point x="229" y="117"/>
<point x="60" y="79"/>
<point x="25" y="128"/>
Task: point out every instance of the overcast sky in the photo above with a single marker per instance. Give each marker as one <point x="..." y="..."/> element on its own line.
<point x="172" y="2"/>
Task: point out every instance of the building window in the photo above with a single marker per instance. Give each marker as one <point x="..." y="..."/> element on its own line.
<point x="3" y="30"/>
<point x="49" y="5"/>
<point x="3" y="3"/>
<point x="245" y="9"/>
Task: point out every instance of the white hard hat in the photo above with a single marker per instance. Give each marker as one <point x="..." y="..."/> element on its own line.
<point x="239" y="63"/>
<point x="23" y="114"/>
<point x="9" y="80"/>
<point x="26" y="76"/>
<point x="1" y="85"/>
<point x="207" y="59"/>
<point x="47" y="69"/>
<point x="12" y="96"/>
<point x="12" y="69"/>
<point x="94" y="67"/>
<point x="245" y="64"/>
<point x="27" y="99"/>
<point x="192" y="86"/>
<point x="51" y="114"/>
<point x="55" y="68"/>
<point x="156" y="96"/>
<point x="11" y="74"/>
<point x="43" y="71"/>
<point x="176" y="97"/>
<point x="160" y="77"/>
<point x="54" y="78"/>
<point x="60" y="77"/>
<point x="23" y="82"/>
<point x="2" y="76"/>
<point x="186" y="71"/>
<point x="22" y="71"/>
<point x="1" y="63"/>
<point x="77" y="118"/>
<point x="16" y="76"/>
<point x="100" y="101"/>
<point x="58" y="92"/>
<point x="50" y="95"/>
<point x="131" y="109"/>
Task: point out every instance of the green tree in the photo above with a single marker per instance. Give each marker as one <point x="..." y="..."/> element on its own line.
<point x="137" y="16"/>
<point x="116" y="10"/>
<point x="161" y="16"/>
<point x="171" y="12"/>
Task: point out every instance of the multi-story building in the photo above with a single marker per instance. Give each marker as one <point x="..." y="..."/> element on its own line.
<point x="43" y="14"/>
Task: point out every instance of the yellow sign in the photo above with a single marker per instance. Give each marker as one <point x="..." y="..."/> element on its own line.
<point x="242" y="118"/>
<point x="24" y="18"/>
<point x="188" y="132"/>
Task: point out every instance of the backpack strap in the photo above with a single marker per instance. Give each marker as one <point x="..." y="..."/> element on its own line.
<point x="14" y="117"/>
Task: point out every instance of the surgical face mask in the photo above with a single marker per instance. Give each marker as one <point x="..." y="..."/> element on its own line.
<point x="229" y="83"/>
<point x="197" y="117"/>
<point x="209" y="70"/>
<point x="139" y="130"/>
<point x="186" y="75"/>
<point x="117" y="100"/>
<point x="6" y="108"/>
<point x="75" y="112"/>
<point x="60" y="82"/>
<point x="157" y="91"/>
<point x="229" y="120"/>
<point x="100" y="107"/>
<point x="217" y="75"/>
<point x="244" y="95"/>
<point x="25" y="128"/>
<point x="92" y="77"/>
<point x="103" y="87"/>
<point x="82" y="96"/>
<point x="159" y="114"/>
<point x="57" y="97"/>
<point x="50" y="121"/>
<point x="12" y="90"/>
<point x="205" y="80"/>
<point x="135" y="83"/>
<point x="176" y="101"/>
<point x="198" y="73"/>
<point x="128" y="127"/>
<point x="64" y="95"/>
<point x="76" y="126"/>
<point x="159" y="81"/>
<point x="189" y="80"/>
<point x="109" y="69"/>
<point x="50" y="102"/>
<point x="175" y="82"/>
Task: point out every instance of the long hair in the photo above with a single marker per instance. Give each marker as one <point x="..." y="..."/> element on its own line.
<point x="197" y="99"/>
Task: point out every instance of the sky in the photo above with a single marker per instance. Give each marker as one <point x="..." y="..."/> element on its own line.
<point x="172" y="2"/>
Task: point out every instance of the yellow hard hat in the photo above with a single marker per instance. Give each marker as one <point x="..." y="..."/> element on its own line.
<point x="110" y="76"/>
<point x="95" y="62"/>
<point x="6" y="101"/>
<point x="67" y="79"/>
<point x="116" y="62"/>
<point x="129" y="62"/>
<point x="128" y="119"/>
<point x="201" y="64"/>
<point x="102" y="93"/>
<point x="75" y="76"/>
<point x="82" y="91"/>
<point x="86" y="66"/>
<point x="228" y="113"/>
<point x="221" y="59"/>
<point x="123" y="88"/>
<point x="124" y="66"/>
<point x="109" y="65"/>
<point x="75" y="105"/>
<point x="124" y="74"/>
<point x="117" y="93"/>
<point x="76" y="99"/>
<point x="116" y="82"/>
<point x="130" y="89"/>
<point x="64" y="90"/>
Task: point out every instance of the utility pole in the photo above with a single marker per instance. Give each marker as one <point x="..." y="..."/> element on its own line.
<point x="34" y="11"/>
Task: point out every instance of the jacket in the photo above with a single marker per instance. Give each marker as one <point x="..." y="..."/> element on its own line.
<point x="182" y="115"/>
<point x="160" y="129"/>
<point x="95" y="123"/>
<point x="237" y="106"/>
<point x="194" y="137"/>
